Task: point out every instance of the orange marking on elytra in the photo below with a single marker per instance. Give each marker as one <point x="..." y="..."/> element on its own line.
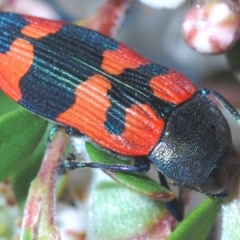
<point x="143" y="129"/>
<point x="173" y="87"/>
<point x="115" y="61"/>
<point x="88" y="114"/>
<point x="38" y="27"/>
<point x="14" y="65"/>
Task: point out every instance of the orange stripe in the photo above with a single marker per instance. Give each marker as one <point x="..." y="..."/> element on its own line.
<point x="142" y="126"/>
<point x="172" y="87"/>
<point x="115" y="61"/>
<point x="14" y="65"/>
<point x="88" y="113"/>
<point x="143" y="129"/>
<point x="38" y="27"/>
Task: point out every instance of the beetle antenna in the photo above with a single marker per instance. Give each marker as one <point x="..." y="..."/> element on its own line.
<point x="222" y="100"/>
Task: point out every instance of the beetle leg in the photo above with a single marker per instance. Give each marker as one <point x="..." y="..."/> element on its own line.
<point x="51" y="134"/>
<point x="68" y="130"/>
<point x="175" y="207"/>
<point x="72" y="131"/>
<point x="221" y="99"/>
<point x="140" y="165"/>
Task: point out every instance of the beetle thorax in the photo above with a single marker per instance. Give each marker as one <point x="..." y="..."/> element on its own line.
<point x="196" y="135"/>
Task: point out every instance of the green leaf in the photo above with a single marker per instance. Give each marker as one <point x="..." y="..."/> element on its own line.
<point x="20" y="131"/>
<point x="7" y="104"/>
<point x="199" y="222"/>
<point x="142" y="184"/>
<point x="136" y="182"/>
<point x="21" y="180"/>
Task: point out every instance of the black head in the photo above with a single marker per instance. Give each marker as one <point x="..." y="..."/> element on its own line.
<point x="196" y="149"/>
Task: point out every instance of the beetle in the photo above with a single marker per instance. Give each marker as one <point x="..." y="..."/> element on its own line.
<point x="98" y="87"/>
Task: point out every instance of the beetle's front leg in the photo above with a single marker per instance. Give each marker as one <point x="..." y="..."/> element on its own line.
<point x="175" y="207"/>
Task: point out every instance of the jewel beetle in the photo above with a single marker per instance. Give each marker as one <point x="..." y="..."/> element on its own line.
<point x="100" y="88"/>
